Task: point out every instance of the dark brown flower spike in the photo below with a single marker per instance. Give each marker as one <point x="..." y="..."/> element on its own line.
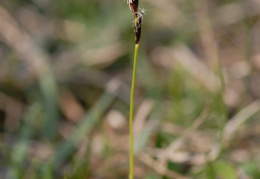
<point x="133" y="5"/>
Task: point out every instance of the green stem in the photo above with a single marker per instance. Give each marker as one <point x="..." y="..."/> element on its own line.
<point x="131" y="137"/>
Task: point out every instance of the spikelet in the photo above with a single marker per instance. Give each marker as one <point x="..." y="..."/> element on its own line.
<point x="133" y="5"/>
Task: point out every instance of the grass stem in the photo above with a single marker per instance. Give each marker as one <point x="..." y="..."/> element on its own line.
<point x="131" y="137"/>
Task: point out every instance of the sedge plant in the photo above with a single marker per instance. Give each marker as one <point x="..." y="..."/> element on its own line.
<point x="138" y="19"/>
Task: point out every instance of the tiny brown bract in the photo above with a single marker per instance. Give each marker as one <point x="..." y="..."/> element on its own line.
<point x="133" y="5"/>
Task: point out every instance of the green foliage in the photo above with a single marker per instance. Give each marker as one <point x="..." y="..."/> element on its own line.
<point x="252" y="169"/>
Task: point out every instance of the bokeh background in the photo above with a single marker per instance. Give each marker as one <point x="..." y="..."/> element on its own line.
<point x="65" y="75"/>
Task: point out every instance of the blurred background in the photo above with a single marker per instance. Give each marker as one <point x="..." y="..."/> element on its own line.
<point x="65" y="76"/>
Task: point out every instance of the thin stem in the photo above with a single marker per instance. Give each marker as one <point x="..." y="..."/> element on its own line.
<point x="131" y="137"/>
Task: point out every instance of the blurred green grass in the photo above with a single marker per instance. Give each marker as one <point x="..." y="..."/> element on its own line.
<point x="65" y="71"/>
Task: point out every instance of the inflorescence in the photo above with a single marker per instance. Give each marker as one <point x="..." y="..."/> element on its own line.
<point x="139" y="16"/>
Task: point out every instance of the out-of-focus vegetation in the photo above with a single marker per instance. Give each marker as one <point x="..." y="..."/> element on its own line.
<point x="65" y="71"/>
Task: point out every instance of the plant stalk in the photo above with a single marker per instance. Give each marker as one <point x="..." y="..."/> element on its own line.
<point x="131" y="136"/>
